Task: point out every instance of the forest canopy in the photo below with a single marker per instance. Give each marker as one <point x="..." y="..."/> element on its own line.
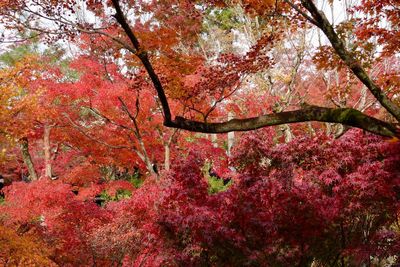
<point x="199" y="133"/>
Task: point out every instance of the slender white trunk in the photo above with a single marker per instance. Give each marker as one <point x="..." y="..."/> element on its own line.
<point x="167" y="157"/>
<point x="47" y="151"/>
<point x="214" y="140"/>
<point x="144" y="156"/>
<point x="288" y="133"/>
<point x="311" y="129"/>
<point x="231" y="135"/>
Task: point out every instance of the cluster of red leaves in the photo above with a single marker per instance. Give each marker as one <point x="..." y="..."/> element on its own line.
<point x="291" y="209"/>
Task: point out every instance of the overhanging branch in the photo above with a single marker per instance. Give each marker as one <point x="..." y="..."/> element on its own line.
<point x="346" y="116"/>
<point x="320" y="20"/>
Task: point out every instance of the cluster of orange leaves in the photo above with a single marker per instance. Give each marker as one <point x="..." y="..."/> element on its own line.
<point x="22" y="250"/>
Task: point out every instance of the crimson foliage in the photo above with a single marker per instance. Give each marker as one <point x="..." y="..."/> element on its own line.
<point x="315" y="199"/>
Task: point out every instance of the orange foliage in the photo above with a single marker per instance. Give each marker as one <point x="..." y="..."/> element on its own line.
<point x="18" y="250"/>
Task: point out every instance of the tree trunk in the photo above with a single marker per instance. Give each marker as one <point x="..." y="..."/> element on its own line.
<point x="47" y="152"/>
<point x="166" y="157"/>
<point x="231" y="135"/>
<point x="144" y="156"/>
<point x="214" y="140"/>
<point x="26" y="156"/>
<point x="287" y="132"/>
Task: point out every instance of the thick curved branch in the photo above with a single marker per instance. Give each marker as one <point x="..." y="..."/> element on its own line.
<point x="143" y="56"/>
<point x="346" y="116"/>
<point x="320" y="20"/>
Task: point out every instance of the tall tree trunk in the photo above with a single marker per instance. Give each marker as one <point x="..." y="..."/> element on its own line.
<point x="145" y="157"/>
<point x="167" y="152"/>
<point x="231" y="135"/>
<point x="151" y="167"/>
<point x="26" y="156"/>
<point x="287" y="132"/>
<point x="47" y="152"/>
<point x="214" y="140"/>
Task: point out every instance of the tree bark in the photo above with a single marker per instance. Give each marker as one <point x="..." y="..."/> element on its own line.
<point x="214" y="140"/>
<point x="146" y="159"/>
<point x="346" y="116"/>
<point x="26" y="156"/>
<point x="167" y="156"/>
<point x="231" y="135"/>
<point x="287" y="132"/>
<point x="47" y="151"/>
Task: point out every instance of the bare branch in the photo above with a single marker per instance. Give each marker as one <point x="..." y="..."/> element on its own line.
<point x="79" y="129"/>
<point x="115" y="39"/>
<point x="132" y="117"/>
<point x="109" y="120"/>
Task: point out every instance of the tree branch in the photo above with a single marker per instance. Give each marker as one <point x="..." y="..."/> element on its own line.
<point x="133" y="118"/>
<point x="143" y="56"/>
<point x="323" y="23"/>
<point x="143" y="156"/>
<point x="307" y="17"/>
<point x="346" y="116"/>
<point x="79" y="129"/>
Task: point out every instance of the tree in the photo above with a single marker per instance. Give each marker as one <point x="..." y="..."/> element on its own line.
<point x="130" y="130"/>
<point x="18" y="107"/>
<point x="28" y="111"/>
